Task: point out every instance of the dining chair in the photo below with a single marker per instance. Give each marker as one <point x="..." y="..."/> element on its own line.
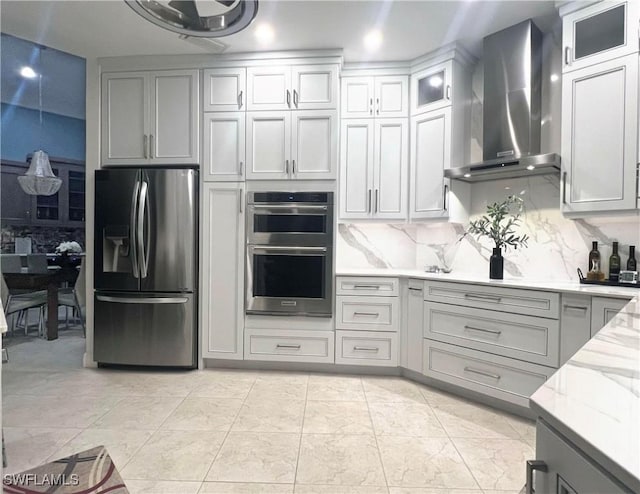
<point x="72" y="297"/>
<point x="20" y="304"/>
<point x="37" y="263"/>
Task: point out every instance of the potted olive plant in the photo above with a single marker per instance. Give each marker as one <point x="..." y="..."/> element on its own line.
<point x="499" y="225"/>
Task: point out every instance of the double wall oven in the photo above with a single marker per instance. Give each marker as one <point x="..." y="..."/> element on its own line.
<point x="290" y="253"/>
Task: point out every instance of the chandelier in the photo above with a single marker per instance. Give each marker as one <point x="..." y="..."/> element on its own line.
<point x="39" y="179"/>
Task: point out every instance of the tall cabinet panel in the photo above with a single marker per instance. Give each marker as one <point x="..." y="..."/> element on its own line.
<point x="356" y="170"/>
<point x="600" y="136"/>
<point x="390" y="168"/>
<point x="431" y="141"/>
<point x="124" y="118"/>
<point x="223" y="271"/>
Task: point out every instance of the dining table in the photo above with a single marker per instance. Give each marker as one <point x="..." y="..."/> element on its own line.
<point x="51" y="281"/>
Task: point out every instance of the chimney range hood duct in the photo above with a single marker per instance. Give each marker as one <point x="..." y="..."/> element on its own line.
<point x="512" y="108"/>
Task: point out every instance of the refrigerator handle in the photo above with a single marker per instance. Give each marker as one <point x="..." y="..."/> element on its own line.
<point x="142" y="300"/>
<point x="134" y="236"/>
<point x="144" y="190"/>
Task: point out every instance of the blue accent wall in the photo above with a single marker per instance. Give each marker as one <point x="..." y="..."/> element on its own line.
<point x="20" y="134"/>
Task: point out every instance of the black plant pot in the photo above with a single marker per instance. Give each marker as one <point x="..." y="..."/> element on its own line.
<point x="496" y="264"/>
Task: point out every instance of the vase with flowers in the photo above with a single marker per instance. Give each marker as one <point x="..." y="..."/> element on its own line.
<point x="499" y="225"/>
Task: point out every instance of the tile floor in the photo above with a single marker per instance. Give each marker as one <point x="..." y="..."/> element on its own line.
<point x="224" y="431"/>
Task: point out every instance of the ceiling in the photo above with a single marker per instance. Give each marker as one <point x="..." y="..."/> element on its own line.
<point x="94" y="28"/>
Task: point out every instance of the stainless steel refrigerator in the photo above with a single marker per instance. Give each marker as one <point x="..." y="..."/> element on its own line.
<point x="146" y="268"/>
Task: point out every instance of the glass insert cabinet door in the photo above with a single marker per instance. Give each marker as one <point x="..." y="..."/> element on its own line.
<point x="600" y="32"/>
<point x="431" y="88"/>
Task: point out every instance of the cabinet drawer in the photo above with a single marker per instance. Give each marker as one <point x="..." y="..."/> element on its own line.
<point x="359" y="348"/>
<point x="289" y="345"/>
<point x="533" y="339"/>
<point x="367" y="313"/>
<point x="501" y="377"/>
<point x="527" y="302"/>
<point x="377" y="286"/>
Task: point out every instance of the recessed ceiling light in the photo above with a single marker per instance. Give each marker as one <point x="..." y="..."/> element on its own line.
<point x="373" y="40"/>
<point x="435" y="81"/>
<point x="554" y="77"/>
<point x="467" y="175"/>
<point x="531" y="168"/>
<point x="28" y="72"/>
<point x="264" y="33"/>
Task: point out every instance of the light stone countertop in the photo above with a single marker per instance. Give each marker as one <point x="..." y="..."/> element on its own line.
<point x="552" y="286"/>
<point x="594" y="399"/>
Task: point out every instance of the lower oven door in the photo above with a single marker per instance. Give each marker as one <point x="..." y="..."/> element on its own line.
<point x="289" y="280"/>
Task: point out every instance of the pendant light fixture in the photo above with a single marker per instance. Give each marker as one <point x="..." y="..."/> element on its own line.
<point x="39" y="179"/>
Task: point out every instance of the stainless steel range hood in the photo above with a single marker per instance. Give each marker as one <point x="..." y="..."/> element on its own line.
<point x="512" y="108"/>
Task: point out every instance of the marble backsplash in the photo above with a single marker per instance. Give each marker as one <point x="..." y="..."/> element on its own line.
<point x="557" y="245"/>
<point x="43" y="238"/>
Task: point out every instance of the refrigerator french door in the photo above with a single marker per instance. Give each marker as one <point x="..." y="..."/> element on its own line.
<point x="146" y="224"/>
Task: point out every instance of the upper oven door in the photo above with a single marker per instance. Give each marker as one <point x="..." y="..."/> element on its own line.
<point x="290" y="224"/>
<point x="289" y="280"/>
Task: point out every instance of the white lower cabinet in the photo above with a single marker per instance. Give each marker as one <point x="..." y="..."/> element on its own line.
<point x="603" y="309"/>
<point x="565" y="469"/>
<point x="289" y="345"/>
<point x="367" y="348"/>
<point x="222" y="270"/>
<point x="368" y="313"/>
<point x="500" y="377"/>
<point x="413" y="325"/>
<point x="575" y="321"/>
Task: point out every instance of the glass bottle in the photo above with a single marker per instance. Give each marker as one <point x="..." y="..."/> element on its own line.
<point x="594" y="272"/>
<point x="632" y="265"/>
<point x="614" y="264"/>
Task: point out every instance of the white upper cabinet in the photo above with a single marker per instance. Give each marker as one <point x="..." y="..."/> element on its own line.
<point x="314" y="144"/>
<point x="292" y="145"/>
<point x="432" y="88"/>
<point x="150" y="118"/>
<point x="224" y="146"/>
<point x="373" y="175"/>
<point x="600" y="136"/>
<point x="599" y="33"/>
<point x="357" y="97"/>
<point x="375" y="96"/>
<point x="315" y="87"/>
<point x="430" y="156"/>
<point x="223" y="270"/>
<point x="297" y="87"/>
<point x="225" y="89"/>
<point x="124" y="137"/>
<point x="356" y="170"/>
<point x="268" y="145"/>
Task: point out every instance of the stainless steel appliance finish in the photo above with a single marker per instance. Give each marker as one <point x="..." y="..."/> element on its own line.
<point x="146" y="266"/>
<point x="511" y="108"/>
<point x="290" y="253"/>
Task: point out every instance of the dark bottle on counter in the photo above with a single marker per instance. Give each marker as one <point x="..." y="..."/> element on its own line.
<point x="632" y="265"/>
<point x="594" y="272"/>
<point x="614" y="264"/>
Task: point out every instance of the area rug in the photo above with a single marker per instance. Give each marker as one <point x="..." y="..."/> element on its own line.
<point x="88" y="472"/>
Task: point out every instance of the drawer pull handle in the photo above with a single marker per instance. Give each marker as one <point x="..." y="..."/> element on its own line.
<point x="367" y="287"/>
<point x="490" y="298"/>
<point x="294" y="347"/>
<point x="482" y="373"/>
<point x="366" y="349"/>
<point x="412" y="289"/>
<point x="576" y="307"/>
<point x="370" y="314"/>
<point x="531" y="466"/>
<point x="492" y="331"/>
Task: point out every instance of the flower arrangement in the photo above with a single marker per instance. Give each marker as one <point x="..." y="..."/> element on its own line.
<point x="499" y="223"/>
<point x="68" y="248"/>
